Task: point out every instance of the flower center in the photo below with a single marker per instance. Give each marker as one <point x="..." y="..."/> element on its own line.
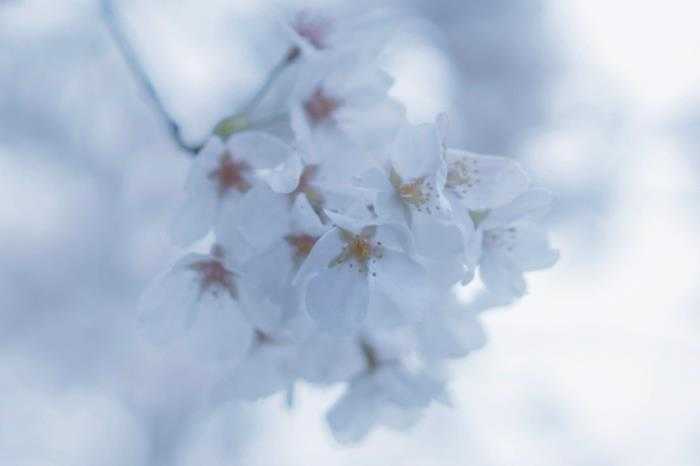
<point x="312" y="27"/>
<point x="415" y="193"/>
<point x="320" y="107"/>
<point x="213" y="276"/>
<point x="358" y="249"/>
<point x="412" y="193"/>
<point x="462" y="175"/>
<point x="230" y="174"/>
<point x="301" y="244"/>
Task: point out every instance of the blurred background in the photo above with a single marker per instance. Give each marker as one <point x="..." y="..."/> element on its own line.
<point x="598" y="365"/>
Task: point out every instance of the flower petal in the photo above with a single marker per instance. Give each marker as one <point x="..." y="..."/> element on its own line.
<point x="417" y="152"/>
<point x="337" y="298"/>
<point x="530" y="205"/>
<point x="258" y="149"/>
<point x="484" y="181"/>
<point x="403" y="282"/>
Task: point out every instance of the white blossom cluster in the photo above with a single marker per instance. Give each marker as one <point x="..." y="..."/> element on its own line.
<point x="337" y="250"/>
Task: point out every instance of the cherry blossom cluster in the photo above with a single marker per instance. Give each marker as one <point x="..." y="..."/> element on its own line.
<point x="335" y="252"/>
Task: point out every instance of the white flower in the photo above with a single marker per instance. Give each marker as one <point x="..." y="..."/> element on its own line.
<point x="326" y="358"/>
<point x="388" y="395"/>
<point x="267" y="369"/>
<point x="451" y="331"/>
<point x="512" y="243"/>
<point x="409" y="191"/>
<point x="355" y="267"/>
<point x="198" y="301"/>
<point x="321" y="30"/>
<point x="342" y="100"/>
<point x="273" y="234"/>
<point x="225" y="173"/>
<point x="481" y="182"/>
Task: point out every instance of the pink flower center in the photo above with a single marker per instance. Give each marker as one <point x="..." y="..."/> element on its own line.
<point x="312" y="27"/>
<point x="230" y="174"/>
<point x="301" y="244"/>
<point x="320" y="107"/>
<point x="213" y="276"/>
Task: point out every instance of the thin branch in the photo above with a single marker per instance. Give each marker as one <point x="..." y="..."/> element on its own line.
<point x="136" y="67"/>
<point x="288" y="58"/>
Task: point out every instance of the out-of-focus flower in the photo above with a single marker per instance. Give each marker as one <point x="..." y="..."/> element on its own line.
<point x="318" y="31"/>
<point x="388" y="395"/>
<point x="342" y="99"/>
<point x="512" y="243"/>
<point x="225" y="172"/>
<point x="199" y="301"/>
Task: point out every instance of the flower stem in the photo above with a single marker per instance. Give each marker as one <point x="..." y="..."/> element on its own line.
<point x="138" y="70"/>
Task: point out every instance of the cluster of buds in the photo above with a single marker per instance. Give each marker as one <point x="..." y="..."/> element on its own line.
<point x="336" y="252"/>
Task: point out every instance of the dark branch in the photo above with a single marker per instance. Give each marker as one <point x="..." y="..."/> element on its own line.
<point x="136" y="67"/>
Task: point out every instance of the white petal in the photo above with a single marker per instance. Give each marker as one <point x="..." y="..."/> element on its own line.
<point x="259" y="150"/>
<point x="169" y="301"/>
<point x="266" y="280"/>
<point x="327" y="248"/>
<point x="408" y="390"/>
<point x="440" y="247"/>
<point x="337" y="298"/>
<point x="501" y="276"/>
<point x="305" y="219"/>
<point x="374" y="125"/>
<point x="354" y="414"/>
<point x="375" y="179"/>
<point x="220" y="330"/>
<point x="531" y="250"/>
<point x="391" y="209"/>
<point x="260" y="215"/>
<point x="417" y="152"/>
<point x="327" y="358"/>
<point x="483" y="181"/>
<point x="451" y="331"/>
<point x="195" y="216"/>
<point x="198" y="211"/>
<point x="284" y="178"/>
<point x="403" y="282"/>
<point x="532" y="204"/>
<point x="265" y="371"/>
<point x="345" y="222"/>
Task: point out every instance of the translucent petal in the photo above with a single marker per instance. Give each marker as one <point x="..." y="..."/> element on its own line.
<point x="417" y="152"/>
<point x="354" y="414"/>
<point x="531" y="250"/>
<point x="327" y="248"/>
<point x="337" y="298"/>
<point x="501" y="276"/>
<point x="327" y="358"/>
<point x="260" y="150"/>
<point x="284" y="178"/>
<point x="304" y="219"/>
<point x="220" y="331"/>
<point x="404" y="282"/>
<point x="440" y="247"/>
<point x="530" y="205"/>
<point x="483" y="181"/>
<point x="261" y="216"/>
<point x="265" y="371"/>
